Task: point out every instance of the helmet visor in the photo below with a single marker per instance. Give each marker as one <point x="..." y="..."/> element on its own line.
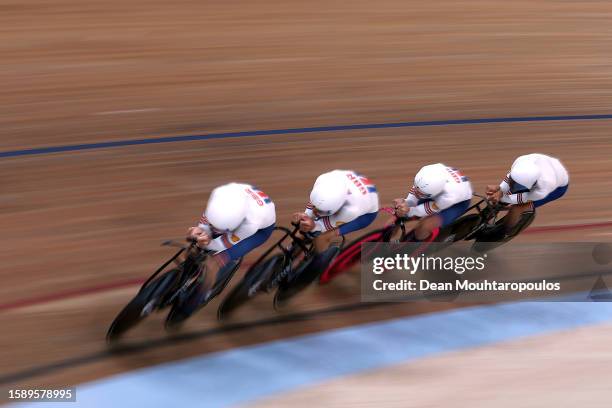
<point x="321" y="213"/>
<point x="420" y="193"/>
<point x="516" y="188"/>
<point x="216" y="231"/>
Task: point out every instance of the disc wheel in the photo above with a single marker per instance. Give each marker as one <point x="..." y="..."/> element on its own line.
<point x="349" y="256"/>
<point x="255" y="281"/>
<point x="304" y="275"/>
<point x="143" y="304"/>
<point x="186" y="304"/>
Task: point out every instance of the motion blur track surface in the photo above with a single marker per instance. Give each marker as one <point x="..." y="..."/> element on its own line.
<point x="117" y="72"/>
<point x="298" y="370"/>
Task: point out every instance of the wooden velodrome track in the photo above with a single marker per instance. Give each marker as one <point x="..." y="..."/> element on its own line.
<point x="80" y="229"/>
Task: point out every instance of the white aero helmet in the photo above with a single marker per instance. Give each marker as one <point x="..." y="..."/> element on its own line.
<point x="430" y="180"/>
<point x="328" y="194"/>
<point x="523" y="175"/>
<point x="227" y="207"/>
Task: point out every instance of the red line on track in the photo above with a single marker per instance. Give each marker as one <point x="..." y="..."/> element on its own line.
<point x="134" y="282"/>
<point x="70" y="293"/>
<point x="568" y="227"/>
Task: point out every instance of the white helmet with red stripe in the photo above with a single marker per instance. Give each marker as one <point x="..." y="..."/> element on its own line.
<point x="227" y="207"/>
<point x="329" y="192"/>
<point x="430" y="180"/>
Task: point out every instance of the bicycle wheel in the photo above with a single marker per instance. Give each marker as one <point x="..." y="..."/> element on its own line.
<point x="224" y="275"/>
<point x="255" y="281"/>
<point x="143" y="304"/>
<point x="304" y="275"/>
<point x="186" y="304"/>
<point x="349" y="256"/>
<point x="459" y="229"/>
<point x="486" y="243"/>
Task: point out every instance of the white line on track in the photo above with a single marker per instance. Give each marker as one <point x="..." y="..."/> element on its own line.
<point x="120" y="112"/>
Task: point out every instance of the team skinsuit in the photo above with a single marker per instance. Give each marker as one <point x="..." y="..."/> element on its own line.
<point x="439" y="190"/>
<point x="534" y="178"/>
<point x="239" y="218"/>
<point x="342" y="200"/>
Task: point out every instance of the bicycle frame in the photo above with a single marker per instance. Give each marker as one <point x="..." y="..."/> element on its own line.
<point x="161" y="268"/>
<point x="278" y="244"/>
<point x="197" y="258"/>
<point x="493" y="208"/>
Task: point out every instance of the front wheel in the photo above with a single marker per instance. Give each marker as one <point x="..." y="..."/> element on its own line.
<point x="143" y="304"/>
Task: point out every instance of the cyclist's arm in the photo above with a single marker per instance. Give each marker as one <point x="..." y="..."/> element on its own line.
<point x="420" y="210"/>
<point x="308" y="211"/>
<point x="229" y="239"/>
<point x="203" y="223"/>
<point x="442" y="202"/>
<point x="423" y="210"/>
<point x="523" y="198"/>
<point x="505" y="184"/>
<point x="321" y="224"/>
<point x="519" y="198"/>
<point x="346" y="214"/>
<point x="412" y="200"/>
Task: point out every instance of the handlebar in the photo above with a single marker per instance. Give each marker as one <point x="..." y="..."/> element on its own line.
<point x="179" y="244"/>
<point x="497" y="206"/>
<point x="398" y="220"/>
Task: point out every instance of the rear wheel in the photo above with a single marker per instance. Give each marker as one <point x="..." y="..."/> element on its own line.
<point x="497" y="236"/>
<point x="199" y="295"/>
<point x="255" y="281"/>
<point x="148" y="299"/>
<point x="304" y="275"/>
<point x="459" y="229"/>
<point x="224" y="275"/>
<point x="186" y="304"/>
<point x="350" y="255"/>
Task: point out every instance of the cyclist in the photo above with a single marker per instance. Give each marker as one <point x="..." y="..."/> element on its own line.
<point x="534" y="180"/>
<point x="440" y="195"/>
<point x="341" y="202"/>
<point x="238" y="218"/>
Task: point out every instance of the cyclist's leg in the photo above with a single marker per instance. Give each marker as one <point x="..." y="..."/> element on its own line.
<point x="514" y="215"/>
<point x="327" y="244"/>
<point x="248" y="244"/>
<point x="520" y="212"/>
<point x="425" y="227"/>
<point x="333" y="237"/>
<point x="554" y="195"/>
<point x="358" y="223"/>
<point x="229" y="260"/>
